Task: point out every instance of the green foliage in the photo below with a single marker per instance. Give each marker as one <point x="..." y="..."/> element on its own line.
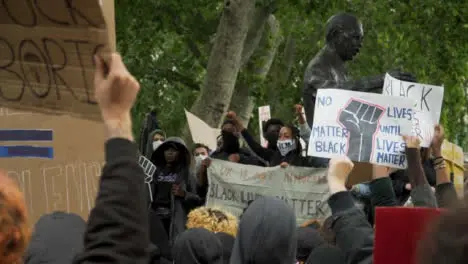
<point x="166" y="45"/>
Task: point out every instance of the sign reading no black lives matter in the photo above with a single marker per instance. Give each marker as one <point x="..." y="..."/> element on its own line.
<point x="232" y="186"/>
<point x="366" y="127"/>
<point x="46" y="55"/>
<point x="427" y="104"/>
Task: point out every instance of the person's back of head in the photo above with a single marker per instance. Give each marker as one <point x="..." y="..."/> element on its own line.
<point x="267" y="234"/>
<point x="227" y="241"/>
<point x="57" y="238"/>
<point x="14" y="230"/>
<point x="308" y="239"/>
<point x="197" y="245"/>
<point x="447" y="242"/>
<point x="326" y="254"/>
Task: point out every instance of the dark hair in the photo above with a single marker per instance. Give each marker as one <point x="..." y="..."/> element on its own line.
<point x="295" y="135"/>
<point x="446" y="242"/>
<point x="200" y="145"/>
<point x="272" y="122"/>
<point x="228" y="121"/>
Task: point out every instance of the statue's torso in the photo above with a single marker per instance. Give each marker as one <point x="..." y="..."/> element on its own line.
<point x="324" y="69"/>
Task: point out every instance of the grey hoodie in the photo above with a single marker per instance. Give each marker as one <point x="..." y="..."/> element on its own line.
<point x="267" y="234"/>
<point x="57" y="238"/>
<point x="149" y="143"/>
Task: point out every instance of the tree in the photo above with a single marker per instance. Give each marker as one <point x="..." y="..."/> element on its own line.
<point x="167" y="45"/>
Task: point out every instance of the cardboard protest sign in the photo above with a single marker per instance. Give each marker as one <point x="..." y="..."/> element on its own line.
<point x="233" y="185"/>
<point x="108" y="9"/>
<point x="47" y="50"/>
<point x="56" y="160"/>
<point x="366" y="127"/>
<point x="427" y="104"/>
<point x="201" y="131"/>
<point x="264" y="114"/>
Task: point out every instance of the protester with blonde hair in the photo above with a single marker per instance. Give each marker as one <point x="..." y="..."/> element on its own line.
<point x="213" y="219"/>
<point x="14" y="230"/>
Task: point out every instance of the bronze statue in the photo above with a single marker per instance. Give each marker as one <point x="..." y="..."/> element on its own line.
<point x="344" y="36"/>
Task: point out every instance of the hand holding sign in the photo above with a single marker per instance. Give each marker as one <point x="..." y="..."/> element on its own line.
<point x="361" y="121"/>
<point x="412" y="142"/>
<point x="437" y="140"/>
<point x="338" y="172"/>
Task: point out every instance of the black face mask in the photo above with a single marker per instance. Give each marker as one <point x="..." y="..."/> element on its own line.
<point x="230" y="142"/>
<point x="272" y="138"/>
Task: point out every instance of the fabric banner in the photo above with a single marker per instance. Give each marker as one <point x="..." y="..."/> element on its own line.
<point x="427" y="100"/>
<point x="233" y="186"/>
<point x="364" y="126"/>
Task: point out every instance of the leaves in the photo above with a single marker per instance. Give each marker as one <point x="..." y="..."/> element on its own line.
<point x="166" y="45"/>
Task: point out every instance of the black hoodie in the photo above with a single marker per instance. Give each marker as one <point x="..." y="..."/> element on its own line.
<point x="57" y="238"/>
<point x="267" y="234"/>
<point x="197" y="246"/>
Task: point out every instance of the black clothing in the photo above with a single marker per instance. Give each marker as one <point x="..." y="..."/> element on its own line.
<point x="57" y="238"/>
<point x="117" y="230"/>
<point x="198" y="246"/>
<point x="354" y="235"/>
<point x="267" y="234"/>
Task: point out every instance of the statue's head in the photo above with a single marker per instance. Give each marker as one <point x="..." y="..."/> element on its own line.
<point x="345" y="35"/>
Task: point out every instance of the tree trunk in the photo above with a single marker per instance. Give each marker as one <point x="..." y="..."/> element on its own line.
<point x="256" y="71"/>
<point x="224" y="62"/>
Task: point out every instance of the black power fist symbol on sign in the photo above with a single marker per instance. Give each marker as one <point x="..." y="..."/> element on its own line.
<point x="361" y="119"/>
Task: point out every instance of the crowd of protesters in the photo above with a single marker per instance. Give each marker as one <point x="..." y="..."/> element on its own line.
<point x="169" y="223"/>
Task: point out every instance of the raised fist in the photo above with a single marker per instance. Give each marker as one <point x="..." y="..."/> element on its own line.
<point x="361" y="121"/>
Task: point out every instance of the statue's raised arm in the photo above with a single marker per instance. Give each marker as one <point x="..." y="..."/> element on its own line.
<point x="344" y="36"/>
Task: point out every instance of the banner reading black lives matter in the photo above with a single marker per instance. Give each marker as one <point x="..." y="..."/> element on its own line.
<point x="233" y="185"/>
<point x="364" y="126"/>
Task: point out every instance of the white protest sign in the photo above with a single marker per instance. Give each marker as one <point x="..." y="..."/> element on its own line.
<point x="364" y="126"/>
<point x="149" y="168"/>
<point x="232" y="186"/>
<point x="264" y="114"/>
<point x="427" y="106"/>
<point x="201" y="131"/>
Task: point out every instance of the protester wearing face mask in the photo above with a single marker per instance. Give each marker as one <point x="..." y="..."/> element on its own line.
<point x="230" y="149"/>
<point x="290" y="149"/>
<point x="271" y="131"/>
<point x="200" y="153"/>
<point x="155" y="139"/>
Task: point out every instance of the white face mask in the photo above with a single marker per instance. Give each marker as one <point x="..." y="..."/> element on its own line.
<point x="286" y="146"/>
<point x="156" y="144"/>
<point x="199" y="159"/>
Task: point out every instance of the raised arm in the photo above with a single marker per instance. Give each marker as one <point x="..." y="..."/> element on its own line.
<point x="445" y="190"/>
<point x="117" y="230"/>
<point x="421" y="192"/>
<point x="257" y="148"/>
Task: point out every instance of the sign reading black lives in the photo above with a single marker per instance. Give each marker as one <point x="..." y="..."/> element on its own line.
<point x="46" y="55"/>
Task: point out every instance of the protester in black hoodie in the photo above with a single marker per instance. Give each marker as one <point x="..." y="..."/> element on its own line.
<point x="57" y="238"/>
<point x="198" y="246"/>
<point x="173" y="190"/>
<point x="230" y="147"/>
<point x="288" y="150"/>
<point x="267" y="234"/>
<point x="117" y="230"/>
